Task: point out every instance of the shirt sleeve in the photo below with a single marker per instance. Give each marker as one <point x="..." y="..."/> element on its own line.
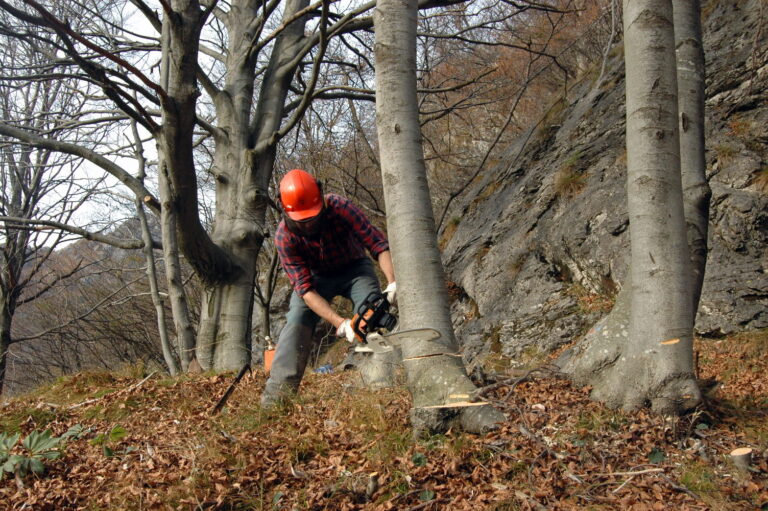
<point x="371" y="237"/>
<point x="293" y="263"/>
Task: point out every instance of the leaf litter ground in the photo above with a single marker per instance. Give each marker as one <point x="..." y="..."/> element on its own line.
<point x="153" y="444"/>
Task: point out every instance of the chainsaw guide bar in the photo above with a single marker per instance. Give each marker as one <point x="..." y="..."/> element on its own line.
<point x="385" y="343"/>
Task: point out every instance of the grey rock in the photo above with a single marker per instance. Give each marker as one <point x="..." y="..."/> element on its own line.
<point x="526" y="257"/>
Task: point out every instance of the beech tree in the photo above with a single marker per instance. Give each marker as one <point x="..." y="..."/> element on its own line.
<point x="641" y="353"/>
<point x="437" y="380"/>
<point x="242" y="74"/>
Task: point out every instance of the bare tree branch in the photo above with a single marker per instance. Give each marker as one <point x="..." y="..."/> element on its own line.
<point x="26" y="223"/>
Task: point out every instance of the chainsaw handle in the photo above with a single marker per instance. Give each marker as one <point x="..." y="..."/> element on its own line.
<point x="358" y="329"/>
<point x="370" y="316"/>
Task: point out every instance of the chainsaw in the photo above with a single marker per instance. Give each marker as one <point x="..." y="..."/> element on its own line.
<point x="374" y="326"/>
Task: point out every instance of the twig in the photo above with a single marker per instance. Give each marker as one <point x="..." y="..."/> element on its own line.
<point x="679" y="488"/>
<point x="617" y="490"/>
<point x="631" y="473"/>
<point x="127" y="389"/>
<point x="220" y="404"/>
<point x="425" y="504"/>
<point x="511" y="382"/>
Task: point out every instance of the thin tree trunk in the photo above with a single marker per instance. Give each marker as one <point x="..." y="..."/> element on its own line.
<point x="691" y="88"/>
<point x="5" y="342"/>
<point x="434" y="370"/>
<point x="149" y="256"/>
<point x="162" y="326"/>
<point x="185" y="332"/>
<point x="264" y="293"/>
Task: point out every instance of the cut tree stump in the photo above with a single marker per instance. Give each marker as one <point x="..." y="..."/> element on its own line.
<point x="742" y="458"/>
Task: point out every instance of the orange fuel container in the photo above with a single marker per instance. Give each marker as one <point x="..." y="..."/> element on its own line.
<point x="269" y="354"/>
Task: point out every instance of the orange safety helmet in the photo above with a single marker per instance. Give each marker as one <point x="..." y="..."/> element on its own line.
<point x="300" y="195"/>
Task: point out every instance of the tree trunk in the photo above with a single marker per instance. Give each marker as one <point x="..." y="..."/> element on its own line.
<point x="224" y="333"/>
<point x="265" y="290"/>
<point x="185" y="332"/>
<point x="5" y="342"/>
<point x="641" y="354"/>
<point x="693" y="165"/>
<point x="176" y="142"/>
<point x="149" y="255"/>
<point x="162" y="326"/>
<point x="243" y="174"/>
<point x="434" y="370"/>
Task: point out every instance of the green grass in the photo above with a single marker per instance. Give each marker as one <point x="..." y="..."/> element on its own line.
<point x="569" y="183"/>
<point x="700" y="479"/>
<point x="590" y="302"/>
<point x="34" y="418"/>
<point x="600" y="420"/>
<point x="570" y="180"/>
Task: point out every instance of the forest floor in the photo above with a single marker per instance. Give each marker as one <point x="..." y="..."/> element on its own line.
<point x="140" y="443"/>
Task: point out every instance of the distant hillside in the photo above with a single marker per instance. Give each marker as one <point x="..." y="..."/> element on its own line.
<point x="101" y="317"/>
<point x="539" y="245"/>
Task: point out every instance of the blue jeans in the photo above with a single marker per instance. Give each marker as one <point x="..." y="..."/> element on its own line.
<point x="294" y="345"/>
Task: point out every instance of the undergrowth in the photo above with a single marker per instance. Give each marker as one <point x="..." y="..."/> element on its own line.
<point x="157" y="446"/>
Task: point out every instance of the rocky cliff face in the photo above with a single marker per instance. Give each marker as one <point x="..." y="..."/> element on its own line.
<point x="539" y="246"/>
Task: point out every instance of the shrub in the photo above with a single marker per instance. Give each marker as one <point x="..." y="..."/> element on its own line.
<point x="569" y="182"/>
<point x="760" y="181"/>
<point x="37" y="446"/>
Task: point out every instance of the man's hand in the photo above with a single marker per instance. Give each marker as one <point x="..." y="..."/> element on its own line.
<point x="345" y="330"/>
<point x="390" y="291"/>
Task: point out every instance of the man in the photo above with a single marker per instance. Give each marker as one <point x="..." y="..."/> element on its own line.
<point x="321" y="242"/>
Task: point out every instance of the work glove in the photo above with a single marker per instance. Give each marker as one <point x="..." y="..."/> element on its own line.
<point x="390" y="291"/>
<point x="345" y="330"/>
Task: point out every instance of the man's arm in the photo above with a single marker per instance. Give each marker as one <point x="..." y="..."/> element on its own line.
<point x="322" y="308"/>
<point x="385" y="262"/>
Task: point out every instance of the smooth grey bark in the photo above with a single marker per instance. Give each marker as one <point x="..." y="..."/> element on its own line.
<point x="265" y="290"/>
<point x="642" y="354"/>
<point x="243" y="165"/>
<point x="660" y="346"/>
<point x="6" y="318"/>
<point x="149" y="255"/>
<point x="691" y="88"/>
<point x="435" y="372"/>
<point x="185" y="332"/>
<point x="169" y="356"/>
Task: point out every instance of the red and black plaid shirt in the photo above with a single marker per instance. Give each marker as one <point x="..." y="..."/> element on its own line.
<point x="346" y="233"/>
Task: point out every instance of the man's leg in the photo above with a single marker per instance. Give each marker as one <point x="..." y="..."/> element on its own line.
<point x="377" y="370"/>
<point x="292" y="352"/>
<point x="362" y="282"/>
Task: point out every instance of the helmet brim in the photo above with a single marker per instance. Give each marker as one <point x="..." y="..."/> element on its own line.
<point x="305" y="214"/>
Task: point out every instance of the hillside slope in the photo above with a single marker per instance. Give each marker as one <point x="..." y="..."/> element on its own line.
<point x="153" y="444"/>
<point x="539" y="245"/>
